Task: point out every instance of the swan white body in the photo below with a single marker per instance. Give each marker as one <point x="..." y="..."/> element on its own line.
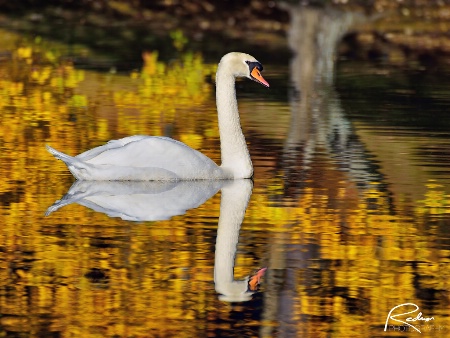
<point x="143" y="158"/>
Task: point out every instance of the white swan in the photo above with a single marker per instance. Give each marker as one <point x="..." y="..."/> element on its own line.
<point x="143" y="158"/>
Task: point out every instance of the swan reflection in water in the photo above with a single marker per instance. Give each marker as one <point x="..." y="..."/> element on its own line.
<point x="139" y="201"/>
<point x="153" y="201"/>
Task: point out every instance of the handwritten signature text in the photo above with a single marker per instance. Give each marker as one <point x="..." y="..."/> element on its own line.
<point x="408" y="320"/>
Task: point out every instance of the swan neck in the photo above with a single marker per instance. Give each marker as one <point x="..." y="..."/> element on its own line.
<point x="234" y="152"/>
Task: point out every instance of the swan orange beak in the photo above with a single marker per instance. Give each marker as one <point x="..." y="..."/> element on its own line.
<point x="256" y="75"/>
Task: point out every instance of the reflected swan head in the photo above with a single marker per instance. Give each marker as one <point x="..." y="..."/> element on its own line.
<point x="234" y="291"/>
<point x="240" y="291"/>
<point x="243" y="65"/>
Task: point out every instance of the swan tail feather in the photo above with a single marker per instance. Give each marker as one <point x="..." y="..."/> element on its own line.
<point x="58" y="204"/>
<point x="59" y="155"/>
<point x="75" y="166"/>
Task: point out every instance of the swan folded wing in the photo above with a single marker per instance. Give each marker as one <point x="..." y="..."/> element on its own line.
<point x="113" y="144"/>
<point x="155" y="152"/>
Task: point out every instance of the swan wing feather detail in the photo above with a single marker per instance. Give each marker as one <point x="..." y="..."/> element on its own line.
<point x="113" y="144"/>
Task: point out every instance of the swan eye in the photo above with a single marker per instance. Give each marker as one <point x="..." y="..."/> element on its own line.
<point x="254" y="64"/>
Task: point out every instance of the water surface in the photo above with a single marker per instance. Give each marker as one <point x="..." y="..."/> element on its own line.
<point x="349" y="208"/>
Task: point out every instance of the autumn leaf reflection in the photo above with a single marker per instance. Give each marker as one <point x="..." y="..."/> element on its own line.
<point x="338" y="257"/>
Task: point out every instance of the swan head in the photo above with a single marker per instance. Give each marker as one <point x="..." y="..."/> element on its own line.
<point x="243" y="65"/>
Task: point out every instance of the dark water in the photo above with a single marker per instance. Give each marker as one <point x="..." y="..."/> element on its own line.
<point x="348" y="210"/>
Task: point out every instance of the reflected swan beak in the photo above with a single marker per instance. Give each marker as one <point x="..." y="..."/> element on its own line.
<point x="256" y="75"/>
<point x="255" y="279"/>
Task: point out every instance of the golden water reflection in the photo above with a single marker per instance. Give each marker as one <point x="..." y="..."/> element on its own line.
<point x="338" y="257"/>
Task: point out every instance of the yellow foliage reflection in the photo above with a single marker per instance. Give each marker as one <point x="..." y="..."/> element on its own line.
<point x="338" y="257"/>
